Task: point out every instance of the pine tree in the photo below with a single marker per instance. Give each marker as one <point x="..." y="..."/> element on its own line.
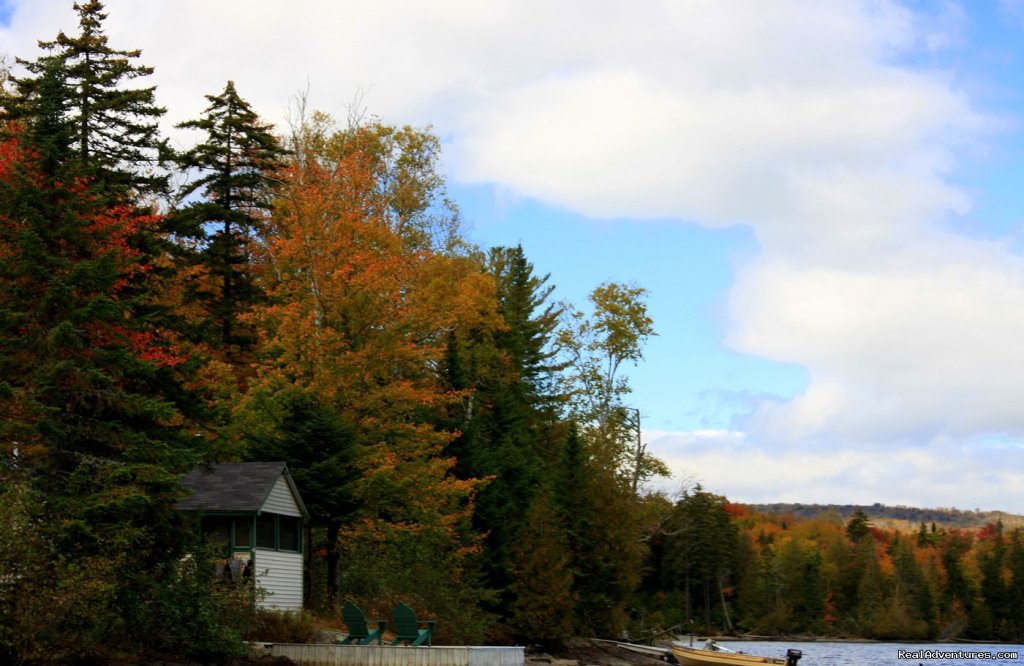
<point x="858" y="527"/>
<point x="531" y="322"/>
<point x="314" y="441"/>
<point x="236" y="161"/>
<point x="542" y="599"/>
<point x="114" y="127"/>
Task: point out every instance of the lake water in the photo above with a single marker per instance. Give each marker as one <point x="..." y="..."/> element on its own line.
<point x="897" y="654"/>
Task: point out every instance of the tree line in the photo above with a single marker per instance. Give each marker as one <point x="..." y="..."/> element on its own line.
<point x="897" y="516"/>
<point x="719" y="567"/>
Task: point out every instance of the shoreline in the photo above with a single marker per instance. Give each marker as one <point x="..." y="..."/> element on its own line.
<point x="825" y="639"/>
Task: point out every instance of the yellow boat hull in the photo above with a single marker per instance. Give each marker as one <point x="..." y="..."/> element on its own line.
<point x="688" y="656"/>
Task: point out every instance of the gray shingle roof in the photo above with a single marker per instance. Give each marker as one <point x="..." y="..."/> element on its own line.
<point x="234" y="487"/>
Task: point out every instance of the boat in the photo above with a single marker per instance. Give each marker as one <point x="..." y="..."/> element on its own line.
<point x="712" y="654"/>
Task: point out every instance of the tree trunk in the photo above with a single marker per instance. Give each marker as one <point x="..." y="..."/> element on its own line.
<point x="333" y="558"/>
<point x="307" y="570"/>
<point x="707" y="605"/>
<point x="725" y="608"/>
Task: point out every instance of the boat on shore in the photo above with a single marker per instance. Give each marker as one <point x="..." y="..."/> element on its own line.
<point x="713" y="654"/>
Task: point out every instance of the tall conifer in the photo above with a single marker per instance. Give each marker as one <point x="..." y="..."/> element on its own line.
<point x="114" y="126"/>
<point x="506" y="434"/>
<point x="235" y="163"/>
<point x="94" y="418"/>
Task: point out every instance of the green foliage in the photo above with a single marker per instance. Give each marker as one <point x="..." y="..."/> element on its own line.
<point x="235" y="162"/>
<point x="858" y="528"/>
<point x="464" y="444"/>
<point x="426" y="572"/>
<point x="271" y="626"/>
<point x="506" y="420"/>
<point x="113" y="128"/>
<point x="594" y="349"/>
<point x="58" y="606"/>
<point x="193" y="614"/>
<point x="602" y="521"/>
<point x="543" y="601"/>
<point x="699" y="554"/>
<point x="311" y="437"/>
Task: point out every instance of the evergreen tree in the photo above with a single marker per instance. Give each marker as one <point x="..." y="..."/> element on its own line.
<point x="113" y="127"/>
<point x="858" y="527"/>
<point x="531" y="323"/>
<point x="991" y="556"/>
<point x="870" y="594"/>
<point x="801" y="588"/>
<point x="506" y="431"/>
<point x="700" y="555"/>
<point x="94" y="415"/>
<point x="912" y="591"/>
<point x="959" y="590"/>
<point x="1015" y="588"/>
<point x="235" y="161"/>
<point x="751" y="603"/>
<point x="542" y="599"/>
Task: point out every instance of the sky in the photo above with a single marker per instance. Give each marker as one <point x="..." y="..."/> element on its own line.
<point x="824" y="200"/>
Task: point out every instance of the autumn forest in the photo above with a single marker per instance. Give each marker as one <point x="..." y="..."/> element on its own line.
<point x="464" y="440"/>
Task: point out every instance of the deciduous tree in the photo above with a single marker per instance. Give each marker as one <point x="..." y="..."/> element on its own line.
<point x="359" y="316"/>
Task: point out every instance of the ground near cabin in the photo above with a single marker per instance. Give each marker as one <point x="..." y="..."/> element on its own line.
<point x="584" y="652"/>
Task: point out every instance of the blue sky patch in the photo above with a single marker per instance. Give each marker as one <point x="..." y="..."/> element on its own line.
<point x="6" y="11"/>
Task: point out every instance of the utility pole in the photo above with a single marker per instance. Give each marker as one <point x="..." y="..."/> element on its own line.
<point x="632" y="420"/>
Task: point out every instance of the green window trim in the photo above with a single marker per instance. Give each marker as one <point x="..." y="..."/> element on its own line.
<point x="291" y="537"/>
<point x="266" y="531"/>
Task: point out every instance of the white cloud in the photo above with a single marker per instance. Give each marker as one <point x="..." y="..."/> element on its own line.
<point x="794" y="118"/>
<point x="965" y="475"/>
<point x="927" y="342"/>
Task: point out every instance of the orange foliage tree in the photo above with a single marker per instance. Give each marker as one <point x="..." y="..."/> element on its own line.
<point x="359" y="314"/>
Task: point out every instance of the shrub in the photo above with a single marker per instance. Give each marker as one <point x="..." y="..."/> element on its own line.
<point x="272" y="626"/>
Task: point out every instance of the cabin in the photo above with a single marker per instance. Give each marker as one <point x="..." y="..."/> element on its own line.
<point x="255" y="511"/>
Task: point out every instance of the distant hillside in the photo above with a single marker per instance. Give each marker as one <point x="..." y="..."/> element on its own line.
<point x="902" y="517"/>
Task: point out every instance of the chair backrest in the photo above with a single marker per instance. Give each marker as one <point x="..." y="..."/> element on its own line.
<point x="355" y="620"/>
<point x="405" y="624"/>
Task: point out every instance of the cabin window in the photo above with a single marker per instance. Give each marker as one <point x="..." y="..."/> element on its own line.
<point x="243" y="533"/>
<point x="266" y="531"/>
<point x="288" y="533"/>
<point x="217" y="530"/>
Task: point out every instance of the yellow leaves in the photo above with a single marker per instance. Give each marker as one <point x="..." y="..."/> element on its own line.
<point x="358" y="314"/>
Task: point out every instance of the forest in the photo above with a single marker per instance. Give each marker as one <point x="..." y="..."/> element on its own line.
<point x="464" y="440"/>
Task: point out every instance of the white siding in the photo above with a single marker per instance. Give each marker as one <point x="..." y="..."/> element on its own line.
<point x="280" y="500"/>
<point x="280" y="574"/>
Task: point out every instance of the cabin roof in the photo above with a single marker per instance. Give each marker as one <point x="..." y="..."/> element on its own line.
<point x="235" y="487"/>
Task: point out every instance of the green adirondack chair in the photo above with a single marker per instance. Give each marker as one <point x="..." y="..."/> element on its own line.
<point x="358" y="631"/>
<point x="408" y="629"/>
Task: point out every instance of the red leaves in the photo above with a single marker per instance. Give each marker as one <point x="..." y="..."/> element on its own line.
<point x="151" y="346"/>
<point x="734" y="510"/>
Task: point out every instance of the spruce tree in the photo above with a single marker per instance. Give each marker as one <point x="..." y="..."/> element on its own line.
<point x="114" y="127"/>
<point x="95" y="421"/>
<point x="235" y="162"/>
<point x="94" y="416"/>
<point x="507" y="433"/>
<point x="532" y="320"/>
